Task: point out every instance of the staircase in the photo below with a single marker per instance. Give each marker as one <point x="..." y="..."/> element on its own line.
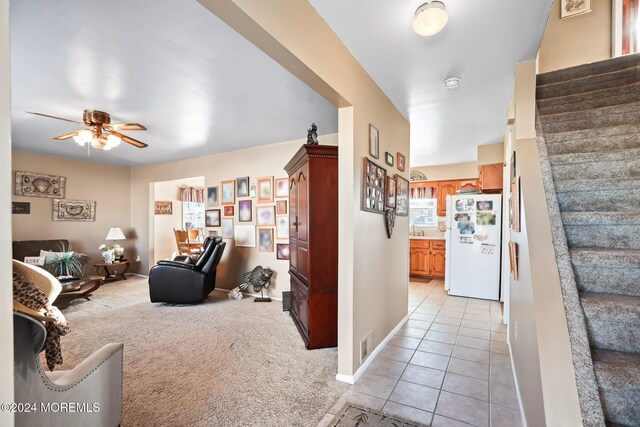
<point x="590" y="121"/>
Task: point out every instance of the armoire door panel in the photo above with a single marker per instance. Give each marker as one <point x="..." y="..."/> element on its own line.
<point x="303" y="205"/>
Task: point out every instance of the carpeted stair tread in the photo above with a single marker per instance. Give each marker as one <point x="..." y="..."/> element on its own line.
<point x="611" y="156"/>
<point x="603" y="236"/>
<point x="593" y="113"/>
<point x="589" y="100"/>
<point x="598" y="200"/>
<point x="571" y="185"/>
<point x="601" y="218"/>
<point x="618" y="377"/>
<point x="613" y="321"/>
<point x="606" y="258"/>
<point x="584" y="70"/>
<point x="589" y="83"/>
<point x="604" y="120"/>
<point x="585" y="134"/>
<point x="599" y="144"/>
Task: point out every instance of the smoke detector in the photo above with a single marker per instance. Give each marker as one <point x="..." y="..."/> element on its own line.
<point x="451" y="83"/>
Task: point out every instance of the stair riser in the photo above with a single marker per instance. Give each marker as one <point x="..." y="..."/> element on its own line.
<point x="609" y="132"/>
<point x="589" y="84"/>
<point x="593" y="114"/>
<point x="621" y="142"/>
<point x="591" y="100"/>
<point x="598" y="201"/>
<point x="621" y="406"/>
<point x="603" y="236"/>
<point x="602" y="67"/>
<point x="608" y="334"/>
<point x="597" y="170"/>
<point x="591" y="123"/>
<point x="610" y="280"/>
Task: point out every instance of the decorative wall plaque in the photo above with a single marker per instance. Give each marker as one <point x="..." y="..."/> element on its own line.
<point x="40" y="185"/>
<point x="74" y="210"/>
<point x="21" y="208"/>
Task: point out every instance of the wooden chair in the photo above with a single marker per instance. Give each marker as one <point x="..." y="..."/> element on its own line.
<point x="182" y="241"/>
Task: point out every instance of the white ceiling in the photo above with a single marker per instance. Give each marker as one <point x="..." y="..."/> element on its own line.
<point x="197" y="85"/>
<point x="201" y="88"/>
<point x="481" y="44"/>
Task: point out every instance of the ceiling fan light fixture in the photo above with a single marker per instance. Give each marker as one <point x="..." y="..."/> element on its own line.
<point x="83" y="137"/>
<point x="430" y="18"/>
<point x="112" y="142"/>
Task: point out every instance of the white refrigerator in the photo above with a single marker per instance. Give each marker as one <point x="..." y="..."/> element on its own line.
<point x="473" y="236"/>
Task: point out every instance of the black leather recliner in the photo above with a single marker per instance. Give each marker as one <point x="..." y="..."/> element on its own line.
<point x="178" y="282"/>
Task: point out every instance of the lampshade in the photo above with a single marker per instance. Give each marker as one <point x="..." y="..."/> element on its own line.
<point x="115" y="234"/>
<point x="430" y="18"/>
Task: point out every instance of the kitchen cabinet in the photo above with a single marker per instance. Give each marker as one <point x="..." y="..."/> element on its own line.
<point x="490" y="178"/>
<point x="445" y="188"/>
<point x="468" y="184"/>
<point x="427" y="258"/>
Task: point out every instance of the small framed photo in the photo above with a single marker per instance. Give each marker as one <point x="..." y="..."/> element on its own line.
<point x="282" y="187"/>
<point x="265" y="215"/>
<point x="513" y="164"/>
<point x="228" y="192"/>
<point x="242" y="187"/>
<point x="245" y="236"/>
<point x="265" y="189"/>
<point x="569" y="8"/>
<point x="265" y="239"/>
<point x="374" y="142"/>
<point x="23" y="208"/>
<point x="245" y="211"/>
<point x="212" y="197"/>
<point x="281" y="207"/>
<point x="163" y="208"/>
<point x="400" y="159"/>
<point x="212" y="218"/>
<point x="373" y="187"/>
<point x="282" y="251"/>
<point x="388" y="158"/>
<point x="213" y="233"/>
<point x="513" y="259"/>
<point x="390" y="193"/>
<point x="229" y="210"/>
<point x="515" y="204"/>
<point x="282" y="227"/>
<point x="402" y="196"/>
<point x="227" y="228"/>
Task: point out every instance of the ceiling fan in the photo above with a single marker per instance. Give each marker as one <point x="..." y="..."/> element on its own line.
<point x="102" y="134"/>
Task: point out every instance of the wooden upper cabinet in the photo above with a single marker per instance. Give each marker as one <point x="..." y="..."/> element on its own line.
<point x="491" y="178"/>
<point x="468" y="184"/>
<point x="445" y="188"/>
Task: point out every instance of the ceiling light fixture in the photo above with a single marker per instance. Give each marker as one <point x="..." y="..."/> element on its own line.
<point x="451" y="83"/>
<point x="430" y="18"/>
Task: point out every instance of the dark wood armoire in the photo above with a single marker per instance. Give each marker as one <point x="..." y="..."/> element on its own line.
<point x="313" y="238"/>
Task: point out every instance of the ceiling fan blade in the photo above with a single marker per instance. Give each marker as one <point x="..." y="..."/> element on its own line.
<point x="54" y="117"/>
<point x="129" y="140"/>
<point x="67" y="135"/>
<point x="125" y="126"/>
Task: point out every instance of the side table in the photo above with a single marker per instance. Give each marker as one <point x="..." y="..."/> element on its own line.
<point x="81" y="288"/>
<point x="113" y="271"/>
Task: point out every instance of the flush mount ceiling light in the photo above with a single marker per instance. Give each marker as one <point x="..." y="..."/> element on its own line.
<point x="451" y="83"/>
<point x="430" y="18"/>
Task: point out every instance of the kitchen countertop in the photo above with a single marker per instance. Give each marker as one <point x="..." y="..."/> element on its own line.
<point x="428" y="237"/>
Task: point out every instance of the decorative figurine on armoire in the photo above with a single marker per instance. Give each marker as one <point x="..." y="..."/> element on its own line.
<point x="312" y="134"/>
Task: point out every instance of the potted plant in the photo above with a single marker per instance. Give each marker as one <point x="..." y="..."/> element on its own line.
<point x="65" y="264"/>
<point x="107" y="254"/>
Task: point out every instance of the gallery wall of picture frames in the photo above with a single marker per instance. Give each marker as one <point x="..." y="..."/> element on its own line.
<point x="254" y="212"/>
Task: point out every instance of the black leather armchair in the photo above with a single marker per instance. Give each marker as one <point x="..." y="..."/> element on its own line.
<point x="179" y="282"/>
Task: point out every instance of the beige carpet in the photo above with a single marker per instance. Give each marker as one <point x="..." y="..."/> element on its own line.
<point x="221" y="363"/>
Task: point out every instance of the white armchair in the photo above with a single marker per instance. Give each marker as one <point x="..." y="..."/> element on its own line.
<point x="88" y="395"/>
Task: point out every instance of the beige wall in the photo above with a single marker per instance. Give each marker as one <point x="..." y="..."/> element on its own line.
<point x="492" y="153"/>
<point x="451" y="171"/>
<point x="266" y="160"/>
<point x="6" y="317"/>
<point x="107" y="185"/>
<point x="163" y="236"/>
<point x="370" y="298"/>
<point x="577" y="40"/>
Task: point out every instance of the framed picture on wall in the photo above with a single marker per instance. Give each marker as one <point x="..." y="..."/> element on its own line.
<point x="228" y="192"/>
<point x="373" y="188"/>
<point x="265" y="189"/>
<point x="242" y="187"/>
<point x="212" y="197"/>
<point x="390" y="193"/>
<point x="212" y="218"/>
<point x="245" y="211"/>
<point x="513" y="259"/>
<point x="569" y="8"/>
<point x="265" y="239"/>
<point x="245" y="236"/>
<point x="282" y="187"/>
<point x="265" y="215"/>
<point x="400" y="159"/>
<point x="228" y="210"/>
<point x="282" y="251"/>
<point x="402" y="196"/>
<point x="281" y="207"/>
<point x="515" y="204"/>
<point x="227" y="228"/>
<point x="374" y="142"/>
<point x="162" y="207"/>
<point x="282" y="227"/>
<point x="388" y="158"/>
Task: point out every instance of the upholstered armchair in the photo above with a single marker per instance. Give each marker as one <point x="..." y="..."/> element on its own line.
<point x="96" y="383"/>
<point x="183" y="282"/>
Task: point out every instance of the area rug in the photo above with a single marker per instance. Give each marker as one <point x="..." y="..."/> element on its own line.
<point x="220" y="363"/>
<point x="355" y="416"/>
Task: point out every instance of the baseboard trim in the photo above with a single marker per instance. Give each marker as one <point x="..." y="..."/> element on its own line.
<point x="515" y="381"/>
<point x="247" y="294"/>
<point x="351" y="379"/>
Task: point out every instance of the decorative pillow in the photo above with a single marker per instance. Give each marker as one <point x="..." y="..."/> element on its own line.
<point x="35" y="260"/>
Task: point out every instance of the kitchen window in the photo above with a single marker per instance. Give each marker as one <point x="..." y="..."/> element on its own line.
<point x="422" y="212"/>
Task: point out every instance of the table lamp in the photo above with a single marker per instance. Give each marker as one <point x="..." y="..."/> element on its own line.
<point x="116" y="234"/>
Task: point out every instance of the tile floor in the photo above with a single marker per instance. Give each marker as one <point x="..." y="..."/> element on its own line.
<point x="448" y="365"/>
